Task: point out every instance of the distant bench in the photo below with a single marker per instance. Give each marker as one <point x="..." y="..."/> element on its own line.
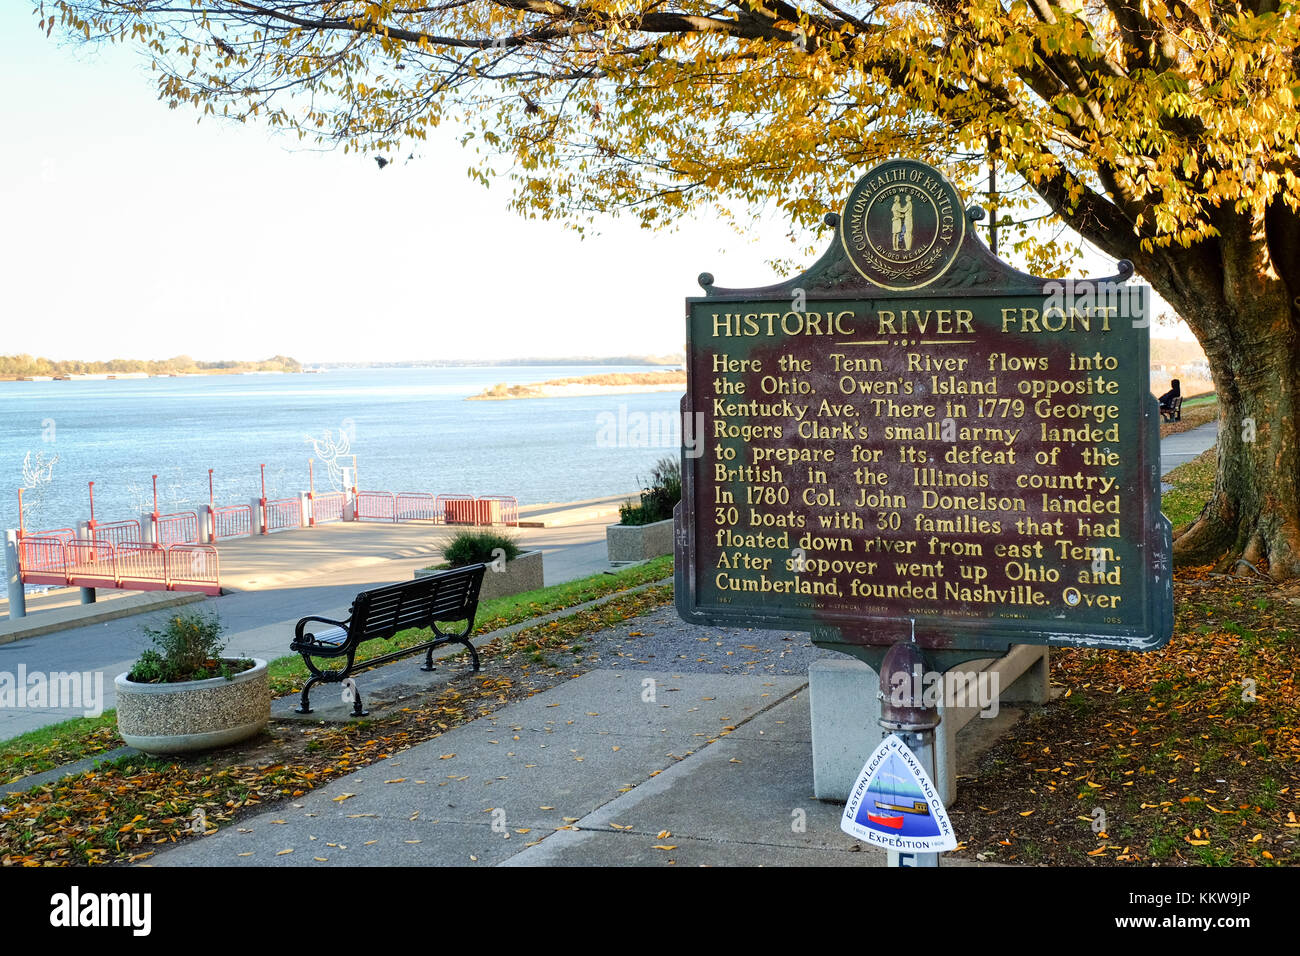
<point x="1173" y="412"/>
<point x="383" y="612"/>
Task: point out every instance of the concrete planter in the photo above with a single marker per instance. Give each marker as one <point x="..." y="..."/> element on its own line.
<point x="632" y="542"/>
<point x="522" y="574"/>
<point x="193" y="715"/>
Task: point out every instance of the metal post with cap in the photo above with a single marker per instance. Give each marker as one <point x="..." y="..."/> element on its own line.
<point x="902" y="713"/>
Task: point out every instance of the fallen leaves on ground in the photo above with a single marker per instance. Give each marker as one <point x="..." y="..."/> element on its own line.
<point x="126" y="810"/>
<point x="1188" y="755"/>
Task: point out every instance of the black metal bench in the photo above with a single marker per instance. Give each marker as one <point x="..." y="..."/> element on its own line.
<point x="1173" y="412"/>
<point x="381" y="613"/>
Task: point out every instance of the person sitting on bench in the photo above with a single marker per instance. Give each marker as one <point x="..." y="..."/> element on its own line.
<point x="1171" y="403"/>
<point x="1167" y="399"/>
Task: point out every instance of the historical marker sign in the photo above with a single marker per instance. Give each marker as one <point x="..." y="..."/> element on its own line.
<point x="912" y="439"/>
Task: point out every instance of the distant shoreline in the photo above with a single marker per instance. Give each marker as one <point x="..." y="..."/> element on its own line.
<point x="611" y="384"/>
<point x="137" y="376"/>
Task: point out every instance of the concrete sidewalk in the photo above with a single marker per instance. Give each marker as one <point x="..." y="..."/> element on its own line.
<point x="614" y="768"/>
<point x="572" y="775"/>
<point x="1182" y="447"/>
<point x="682" y="745"/>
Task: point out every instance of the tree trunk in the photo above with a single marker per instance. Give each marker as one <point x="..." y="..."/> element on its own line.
<point x="1253" y="515"/>
<point x="1248" y="328"/>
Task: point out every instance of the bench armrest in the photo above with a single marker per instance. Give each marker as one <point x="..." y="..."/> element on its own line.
<point x="297" y="631"/>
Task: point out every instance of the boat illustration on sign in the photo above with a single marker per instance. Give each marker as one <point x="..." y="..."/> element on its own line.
<point x="895" y="820"/>
<point x="892" y="796"/>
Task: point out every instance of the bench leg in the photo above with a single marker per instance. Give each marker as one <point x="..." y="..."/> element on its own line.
<point x="473" y="653"/>
<point x="305" y="708"/>
<point x="357" y="709"/>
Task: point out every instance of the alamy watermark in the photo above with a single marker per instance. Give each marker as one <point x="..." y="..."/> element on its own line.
<point x="335" y="452"/>
<point x="75" y="909"/>
<point x="955" y="688"/>
<point x="629" y="429"/>
<point x="55" y="690"/>
<point x="1071" y="302"/>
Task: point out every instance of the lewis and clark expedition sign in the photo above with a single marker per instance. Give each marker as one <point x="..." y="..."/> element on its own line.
<point x="912" y="440"/>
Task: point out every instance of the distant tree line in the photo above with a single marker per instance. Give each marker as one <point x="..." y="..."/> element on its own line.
<point x="25" y="366"/>
<point x="676" y="359"/>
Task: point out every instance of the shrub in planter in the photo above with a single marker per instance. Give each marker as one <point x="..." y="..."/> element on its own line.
<point x="187" y="647"/>
<point x="478" y="547"/>
<point x="519" y="571"/>
<point x="660" y="497"/>
<point x="182" y="695"/>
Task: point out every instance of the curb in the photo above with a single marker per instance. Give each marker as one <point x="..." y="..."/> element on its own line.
<point x="70" y="617"/>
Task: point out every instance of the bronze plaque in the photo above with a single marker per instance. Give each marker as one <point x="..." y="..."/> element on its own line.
<point x="912" y="439"/>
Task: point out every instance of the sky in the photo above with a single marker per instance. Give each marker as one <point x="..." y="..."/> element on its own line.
<point x="133" y="231"/>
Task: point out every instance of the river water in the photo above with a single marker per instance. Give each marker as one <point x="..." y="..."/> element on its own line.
<point x="409" y="428"/>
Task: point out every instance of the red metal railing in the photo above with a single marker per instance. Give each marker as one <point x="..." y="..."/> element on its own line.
<point x="114" y="532"/>
<point x="328" y="506"/>
<point x="376" y="506"/>
<point x="131" y="565"/>
<point x="283" y="513"/>
<point x="179" y="528"/>
<point x="42" y="558"/>
<point x="499" y="509"/>
<point x="193" y="567"/>
<point x="417" y="506"/>
<point x="113" y="554"/>
<point x="141" y="566"/>
<point x="457" y="509"/>
<point x="232" y="521"/>
<point x="91" y="564"/>
<point x="63" y="534"/>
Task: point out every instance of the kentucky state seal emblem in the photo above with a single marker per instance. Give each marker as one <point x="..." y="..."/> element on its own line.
<point x="903" y="224"/>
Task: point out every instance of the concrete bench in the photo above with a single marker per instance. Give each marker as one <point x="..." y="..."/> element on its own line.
<point x="845" y="702"/>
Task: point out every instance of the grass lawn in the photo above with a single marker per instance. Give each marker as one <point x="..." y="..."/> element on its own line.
<point x="58" y="744"/>
<point x="1193" y="483"/>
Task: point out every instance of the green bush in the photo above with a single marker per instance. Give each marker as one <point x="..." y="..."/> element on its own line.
<point x="187" y="647"/>
<point x="663" y="491"/>
<point x="477" y="547"/>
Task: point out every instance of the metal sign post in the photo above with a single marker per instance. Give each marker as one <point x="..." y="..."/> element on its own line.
<point x="902" y="713"/>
